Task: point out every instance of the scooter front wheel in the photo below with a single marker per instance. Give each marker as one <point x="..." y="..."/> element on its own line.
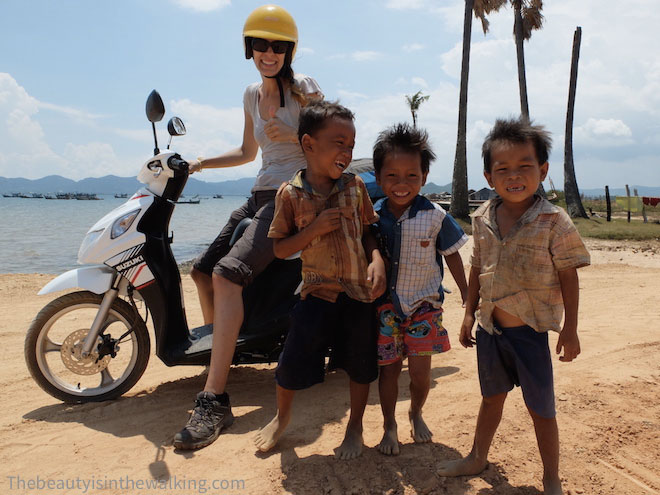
<point x="53" y="349"/>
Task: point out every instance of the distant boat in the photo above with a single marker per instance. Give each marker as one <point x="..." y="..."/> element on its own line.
<point x="192" y="201"/>
<point x="49" y="196"/>
<point x="217" y="196"/>
<point x="64" y="196"/>
<point x="30" y="195"/>
<point x="86" y="196"/>
<point x="121" y="195"/>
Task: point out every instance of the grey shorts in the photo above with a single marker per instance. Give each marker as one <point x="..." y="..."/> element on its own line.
<point x="518" y="356"/>
<point x="252" y="253"/>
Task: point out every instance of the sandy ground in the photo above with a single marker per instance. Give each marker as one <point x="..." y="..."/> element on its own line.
<point x="608" y="413"/>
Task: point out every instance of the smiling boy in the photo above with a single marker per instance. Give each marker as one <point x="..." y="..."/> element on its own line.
<point x="415" y="235"/>
<point x="323" y="211"/>
<point x="524" y="270"/>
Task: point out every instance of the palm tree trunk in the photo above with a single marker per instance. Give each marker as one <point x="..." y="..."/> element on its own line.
<point x="520" y="53"/>
<point x="460" y="207"/>
<point x="573" y="201"/>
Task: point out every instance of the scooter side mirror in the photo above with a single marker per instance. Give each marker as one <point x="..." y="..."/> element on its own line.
<point x="155" y="107"/>
<point x="175" y="127"/>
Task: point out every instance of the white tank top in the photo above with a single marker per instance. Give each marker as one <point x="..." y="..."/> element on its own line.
<point x="279" y="160"/>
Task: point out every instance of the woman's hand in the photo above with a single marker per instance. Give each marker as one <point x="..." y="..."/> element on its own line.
<point x="194" y="165"/>
<point x="278" y="131"/>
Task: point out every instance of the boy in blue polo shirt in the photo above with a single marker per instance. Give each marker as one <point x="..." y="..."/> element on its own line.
<point x="414" y="235"/>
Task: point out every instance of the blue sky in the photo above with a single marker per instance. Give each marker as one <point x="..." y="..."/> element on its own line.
<point x="74" y="76"/>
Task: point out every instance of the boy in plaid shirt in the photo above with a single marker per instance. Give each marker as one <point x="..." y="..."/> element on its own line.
<point x="323" y="211"/>
<point x="524" y="270"/>
<point x="415" y="234"/>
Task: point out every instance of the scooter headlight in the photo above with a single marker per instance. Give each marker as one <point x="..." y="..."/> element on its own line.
<point x="122" y="224"/>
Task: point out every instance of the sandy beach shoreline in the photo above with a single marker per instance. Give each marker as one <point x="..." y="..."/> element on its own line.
<point x="607" y="402"/>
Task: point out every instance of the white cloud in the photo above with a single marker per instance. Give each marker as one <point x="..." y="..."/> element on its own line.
<point x="94" y="159"/>
<point x="603" y="133"/>
<point x="419" y="81"/>
<point x="412" y="47"/>
<point x="202" y="5"/>
<point x="210" y="132"/>
<point x="73" y="113"/>
<point x="352" y="95"/>
<point x="24" y="145"/>
<point x="358" y="56"/>
<point x="23" y="149"/>
<point x="406" y="4"/>
<point x="304" y="50"/>
<point x="364" y="56"/>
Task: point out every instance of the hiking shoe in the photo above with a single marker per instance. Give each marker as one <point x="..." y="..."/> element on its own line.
<point x="211" y="414"/>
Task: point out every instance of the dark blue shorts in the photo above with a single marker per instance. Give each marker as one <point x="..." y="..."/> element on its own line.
<point x="346" y="327"/>
<point x="519" y="356"/>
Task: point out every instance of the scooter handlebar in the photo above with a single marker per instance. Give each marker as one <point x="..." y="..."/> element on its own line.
<point x="175" y="162"/>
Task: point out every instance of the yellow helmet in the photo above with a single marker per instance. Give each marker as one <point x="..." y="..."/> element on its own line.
<point x="270" y="22"/>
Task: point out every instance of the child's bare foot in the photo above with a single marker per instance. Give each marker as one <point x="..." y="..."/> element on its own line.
<point x="462" y="467"/>
<point x="266" y="438"/>
<point x="419" y="431"/>
<point x="351" y="447"/>
<point x="389" y="445"/>
<point x="552" y="487"/>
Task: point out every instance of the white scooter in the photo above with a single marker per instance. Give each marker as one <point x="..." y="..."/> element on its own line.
<point x="93" y="345"/>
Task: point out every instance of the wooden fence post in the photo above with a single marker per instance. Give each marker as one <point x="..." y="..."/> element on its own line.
<point x="609" y="203"/>
<point x="643" y="208"/>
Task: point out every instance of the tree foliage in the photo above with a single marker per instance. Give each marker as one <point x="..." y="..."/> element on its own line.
<point x="414" y="102"/>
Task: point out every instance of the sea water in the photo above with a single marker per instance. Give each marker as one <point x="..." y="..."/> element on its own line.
<point x="43" y="236"/>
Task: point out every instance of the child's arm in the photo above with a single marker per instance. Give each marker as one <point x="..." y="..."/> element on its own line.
<point x="455" y="265"/>
<point x="376" y="268"/>
<point x="327" y="221"/>
<point x="466" y="338"/>
<point x="570" y="292"/>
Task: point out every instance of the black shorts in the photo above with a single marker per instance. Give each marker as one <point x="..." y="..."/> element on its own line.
<point x="346" y="327"/>
<point x="252" y="253"/>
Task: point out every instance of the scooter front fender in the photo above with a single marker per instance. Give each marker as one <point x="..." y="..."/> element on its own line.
<point x="94" y="278"/>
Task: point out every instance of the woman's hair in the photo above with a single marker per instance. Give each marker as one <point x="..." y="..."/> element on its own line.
<point x="403" y="138"/>
<point x="314" y="116"/>
<point x="517" y="131"/>
<point x="286" y="75"/>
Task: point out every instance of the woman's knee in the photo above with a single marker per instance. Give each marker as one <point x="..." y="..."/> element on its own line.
<point x="222" y="284"/>
<point x="200" y="278"/>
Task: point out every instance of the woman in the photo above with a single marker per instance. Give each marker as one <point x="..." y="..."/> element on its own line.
<point x="271" y="123"/>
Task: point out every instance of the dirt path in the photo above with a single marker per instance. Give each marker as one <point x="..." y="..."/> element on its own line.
<point x="608" y="413"/>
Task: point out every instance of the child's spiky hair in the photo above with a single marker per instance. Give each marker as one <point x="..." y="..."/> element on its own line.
<point x="517" y="131"/>
<point x="404" y="138"/>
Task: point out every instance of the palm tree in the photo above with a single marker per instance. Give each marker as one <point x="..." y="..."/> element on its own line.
<point x="459" y="207"/>
<point x="573" y="201"/>
<point x="414" y="103"/>
<point x="527" y="18"/>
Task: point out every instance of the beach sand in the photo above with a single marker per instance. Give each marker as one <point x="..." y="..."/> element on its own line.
<point x="607" y="400"/>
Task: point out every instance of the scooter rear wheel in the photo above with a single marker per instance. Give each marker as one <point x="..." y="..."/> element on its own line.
<point x="53" y="349"/>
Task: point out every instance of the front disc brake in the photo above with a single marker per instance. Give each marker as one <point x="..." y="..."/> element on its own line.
<point x="71" y="352"/>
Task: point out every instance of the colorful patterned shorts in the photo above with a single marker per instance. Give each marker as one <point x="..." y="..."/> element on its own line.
<point x="421" y="334"/>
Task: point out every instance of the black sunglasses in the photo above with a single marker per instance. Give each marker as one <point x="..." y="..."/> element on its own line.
<point x="261" y="45"/>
